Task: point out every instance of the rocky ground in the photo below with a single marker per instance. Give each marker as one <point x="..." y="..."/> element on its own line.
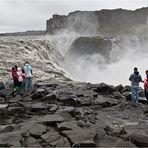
<point x="72" y="115"/>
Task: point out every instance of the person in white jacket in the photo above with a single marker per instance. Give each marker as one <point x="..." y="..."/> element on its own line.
<point x="28" y="76"/>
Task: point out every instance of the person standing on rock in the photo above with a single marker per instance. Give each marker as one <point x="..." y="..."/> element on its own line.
<point x="20" y="77"/>
<point x="146" y="85"/>
<point x="28" y="76"/>
<point x="135" y="79"/>
<point x="15" y="78"/>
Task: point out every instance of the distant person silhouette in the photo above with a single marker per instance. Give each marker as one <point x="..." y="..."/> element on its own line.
<point x="135" y="79"/>
<point x="28" y="76"/>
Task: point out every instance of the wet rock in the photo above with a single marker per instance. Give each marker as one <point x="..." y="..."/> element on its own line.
<point x="53" y="108"/>
<point x="105" y="102"/>
<point x="60" y="142"/>
<point x="15" y="111"/>
<point x="91" y="118"/>
<point x="2" y="85"/>
<point x="69" y="100"/>
<point x="69" y="109"/>
<point x="39" y="107"/>
<point x="124" y="144"/>
<point x="50" y="119"/>
<point x="17" y="98"/>
<point x="30" y="142"/>
<point x="50" y="98"/>
<point x="127" y="95"/>
<point x="37" y="130"/>
<point x="145" y="109"/>
<point x="100" y="132"/>
<point x="27" y="125"/>
<point x="114" y="131"/>
<point x="104" y="88"/>
<point x="38" y="94"/>
<point x="96" y="107"/>
<point x="81" y="123"/>
<point x="69" y="125"/>
<point x="2" y="100"/>
<point x="86" y="101"/>
<point x="107" y="141"/>
<point x="26" y="99"/>
<point x="3" y="106"/>
<point x="142" y="100"/>
<point x="118" y="95"/>
<point x="119" y="88"/>
<point x="140" y="139"/>
<point x="86" y="143"/>
<point x="81" y="137"/>
<point x="6" y="128"/>
<point x="11" y="139"/>
<point x="126" y="89"/>
<point x="4" y="93"/>
<point x="90" y="94"/>
<point x="50" y="136"/>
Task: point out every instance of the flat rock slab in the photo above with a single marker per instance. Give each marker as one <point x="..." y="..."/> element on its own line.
<point x="107" y="141"/>
<point x="105" y="102"/>
<point x="140" y="139"/>
<point x="86" y="143"/>
<point x="81" y="137"/>
<point x="37" y="130"/>
<point x="30" y="142"/>
<point x="60" y="142"/>
<point x="69" y="125"/>
<point x="50" y="119"/>
<point x="70" y="100"/>
<point x="39" y="106"/>
<point x="17" y="98"/>
<point x="124" y="144"/>
<point x="6" y="92"/>
<point x="49" y="98"/>
<point x="10" y="139"/>
<point x="40" y="93"/>
<point x="50" y="136"/>
<point x="2" y="106"/>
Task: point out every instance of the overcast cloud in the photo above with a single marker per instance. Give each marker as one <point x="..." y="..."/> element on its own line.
<point x="22" y="15"/>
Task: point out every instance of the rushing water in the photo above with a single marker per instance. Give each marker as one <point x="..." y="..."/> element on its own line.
<point x="48" y="56"/>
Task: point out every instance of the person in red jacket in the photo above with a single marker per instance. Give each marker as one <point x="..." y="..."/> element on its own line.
<point x="146" y="85"/>
<point x="15" y="77"/>
<point x="23" y="83"/>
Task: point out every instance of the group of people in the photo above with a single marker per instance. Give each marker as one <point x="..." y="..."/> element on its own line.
<point x="135" y="79"/>
<point x="22" y="77"/>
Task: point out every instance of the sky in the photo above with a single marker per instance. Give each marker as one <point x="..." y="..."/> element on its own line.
<point x="22" y="15"/>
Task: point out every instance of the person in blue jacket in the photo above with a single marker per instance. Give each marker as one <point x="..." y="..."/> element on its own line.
<point x="135" y="79"/>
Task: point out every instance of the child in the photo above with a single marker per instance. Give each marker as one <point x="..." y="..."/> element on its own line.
<point x="20" y="77"/>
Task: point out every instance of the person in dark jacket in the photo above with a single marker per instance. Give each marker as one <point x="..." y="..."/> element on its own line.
<point x="135" y="79"/>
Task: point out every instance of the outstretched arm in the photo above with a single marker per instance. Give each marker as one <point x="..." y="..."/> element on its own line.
<point x="130" y="78"/>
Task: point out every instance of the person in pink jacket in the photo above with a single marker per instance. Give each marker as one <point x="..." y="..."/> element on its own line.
<point x="20" y="77"/>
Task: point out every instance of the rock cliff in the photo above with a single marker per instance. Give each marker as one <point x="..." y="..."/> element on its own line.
<point x="91" y="45"/>
<point x="104" y="21"/>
